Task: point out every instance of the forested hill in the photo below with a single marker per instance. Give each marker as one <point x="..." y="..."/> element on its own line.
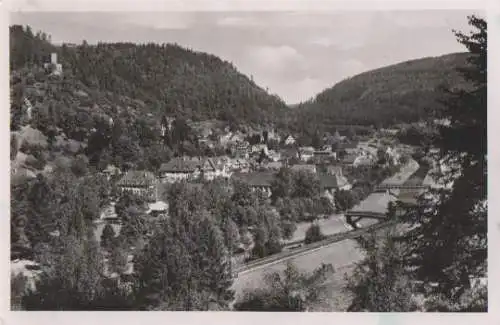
<point x="167" y="78"/>
<point x="403" y="92"/>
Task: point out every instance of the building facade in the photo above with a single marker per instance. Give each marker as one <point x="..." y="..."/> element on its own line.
<point x="141" y="183"/>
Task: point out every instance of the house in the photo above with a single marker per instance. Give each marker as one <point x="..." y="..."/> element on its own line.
<point x="158" y="209"/>
<point x="334" y="170"/>
<point x="342" y="182"/>
<point x="366" y="146"/>
<point x="364" y="159"/>
<point x="327" y="154"/>
<point x="390" y="132"/>
<point x="187" y="168"/>
<point x="288" y="153"/>
<point x="221" y="165"/>
<point x="166" y="125"/>
<point x="393" y="156"/>
<point x="273" y="155"/>
<point x="258" y="181"/>
<point x="306" y="153"/>
<point x="53" y="67"/>
<point x="258" y="148"/>
<point x="111" y="171"/>
<point x="239" y="164"/>
<point x="273" y="165"/>
<point x="224" y="140"/>
<point x="237" y="137"/>
<point x="139" y="182"/>
<point x="330" y="140"/>
<point x="328" y="185"/>
<point x="349" y="159"/>
<point x="289" y="140"/>
<point x="350" y="147"/>
<point x="241" y="149"/>
<point x="304" y="167"/>
<point x="273" y="135"/>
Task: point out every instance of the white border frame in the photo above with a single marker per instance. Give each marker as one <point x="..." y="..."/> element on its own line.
<point x="492" y="8"/>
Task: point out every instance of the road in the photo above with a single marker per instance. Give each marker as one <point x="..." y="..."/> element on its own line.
<point x="342" y="255"/>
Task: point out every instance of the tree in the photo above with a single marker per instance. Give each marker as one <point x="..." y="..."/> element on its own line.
<point x="80" y="165"/>
<point x="231" y="235"/>
<point x="314" y="234"/>
<point x="72" y="279"/>
<point x="13" y="147"/>
<point x="317" y="141"/>
<point x="185" y="266"/>
<point x="283" y="184"/>
<point x="288" y="228"/>
<point x="344" y="200"/>
<point x="134" y="227"/>
<point x="451" y="226"/>
<point x="381" y="157"/>
<point x="265" y="135"/>
<point x="306" y="185"/>
<point x="108" y="234"/>
<point x="118" y="258"/>
<point x="18" y="287"/>
<point x="380" y="282"/>
<point x="287" y="291"/>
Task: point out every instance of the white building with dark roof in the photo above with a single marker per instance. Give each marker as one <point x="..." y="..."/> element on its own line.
<point x="188" y="168"/>
<point x="140" y="182"/>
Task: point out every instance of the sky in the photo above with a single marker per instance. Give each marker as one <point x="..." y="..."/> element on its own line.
<point x="293" y="54"/>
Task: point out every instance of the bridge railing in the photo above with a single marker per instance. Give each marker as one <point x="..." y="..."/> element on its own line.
<point x="373" y="215"/>
<point x="400" y="187"/>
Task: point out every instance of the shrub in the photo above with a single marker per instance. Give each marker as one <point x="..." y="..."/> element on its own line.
<point x="80" y="165"/>
<point x="14" y="146"/>
<point x="314" y="234"/>
<point x="107" y="236"/>
<point x="32" y="162"/>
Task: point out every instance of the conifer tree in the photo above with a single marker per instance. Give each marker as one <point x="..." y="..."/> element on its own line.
<point x="107" y="236"/>
<point x="449" y="241"/>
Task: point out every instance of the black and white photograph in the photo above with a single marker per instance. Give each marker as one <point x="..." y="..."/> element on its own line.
<point x="249" y="161"/>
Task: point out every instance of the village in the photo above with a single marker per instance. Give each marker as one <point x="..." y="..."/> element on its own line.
<point x="256" y="164"/>
<point x="156" y="177"/>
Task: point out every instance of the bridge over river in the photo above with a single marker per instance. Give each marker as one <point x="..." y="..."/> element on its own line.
<point x="339" y="249"/>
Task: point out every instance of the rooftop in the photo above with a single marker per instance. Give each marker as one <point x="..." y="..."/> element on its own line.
<point x="304" y="167"/>
<point x="137" y="178"/>
<point x="184" y="165"/>
<point x="328" y="181"/>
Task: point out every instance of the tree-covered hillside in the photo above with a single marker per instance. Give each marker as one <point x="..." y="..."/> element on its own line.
<point x="167" y="77"/>
<point x="135" y="85"/>
<point x="403" y="92"/>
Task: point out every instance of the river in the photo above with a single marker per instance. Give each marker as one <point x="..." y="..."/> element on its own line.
<point x="342" y="255"/>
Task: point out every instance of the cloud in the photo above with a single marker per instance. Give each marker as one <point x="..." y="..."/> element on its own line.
<point x="351" y="67"/>
<point x="294" y="54"/>
<point x="305" y="88"/>
<point x="161" y="20"/>
<point x="275" y="57"/>
<point x="322" y="41"/>
<point x="239" y="21"/>
<point x="339" y="42"/>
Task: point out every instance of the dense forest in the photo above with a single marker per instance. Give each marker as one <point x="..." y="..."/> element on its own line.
<point x="134" y="85"/>
<point x="404" y="92"/>
<point x="167" y="78"/>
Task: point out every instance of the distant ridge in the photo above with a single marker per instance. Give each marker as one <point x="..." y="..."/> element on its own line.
<point x="403" y="92"/>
